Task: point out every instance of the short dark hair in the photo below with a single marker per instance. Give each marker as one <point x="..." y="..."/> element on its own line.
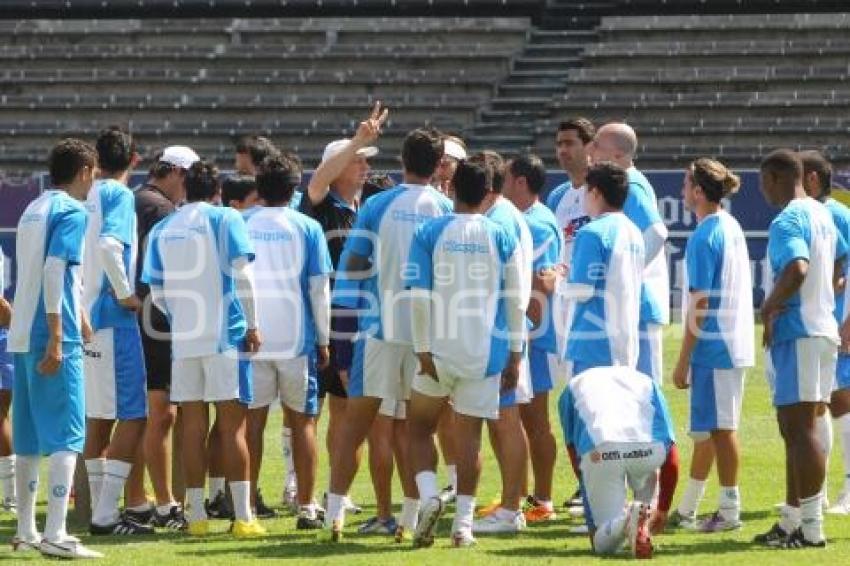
<point x="67" y="158"/>
<point x="115" y="150"/>
<point x="277" y="178"/>
<point x="201" y="181"/>
<point x="472" y="182"/>
<point x="237" y="187"/>
<point x="611" y="181"/>
<point x="814" y="161"/>
<point x="531" y="167"/>
<point x="783" y="163"/>
<point x="421" y="151"/>
<point x="257" y="148"/>
<point x="495" y="165"/>
<point x="583" y="127"/>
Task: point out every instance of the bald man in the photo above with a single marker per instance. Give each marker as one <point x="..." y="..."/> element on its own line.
<point x="617" y="142"/>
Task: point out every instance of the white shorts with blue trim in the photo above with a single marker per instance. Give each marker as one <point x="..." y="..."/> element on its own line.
<point x="116" y="381"/>
<point x="801" y="370"/>
<point x="218" y="377"/>
<point x="842" y="373"/>
<point x="470" y="396"/>
<point x="293" y="381"/>
<point x="381" y="369"/>
<point x="716" y="398"/>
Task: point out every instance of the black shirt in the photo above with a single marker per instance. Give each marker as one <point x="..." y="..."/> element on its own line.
<point x="151" y="206"/>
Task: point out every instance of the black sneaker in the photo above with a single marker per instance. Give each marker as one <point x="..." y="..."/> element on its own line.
<point x="775" y="537"/>
<point x="124" y="527"/>
<point x="307" y="523"/>
<point x="263" y="511"/>
<point x="140" y="517"/>
<point x="174" y="520"/>
<point x="798" y="540"/>
<point x="220" y="507"/>
<point x="575" y="500"/>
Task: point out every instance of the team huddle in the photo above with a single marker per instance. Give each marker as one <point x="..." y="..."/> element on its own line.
<point x="408" y="312"/>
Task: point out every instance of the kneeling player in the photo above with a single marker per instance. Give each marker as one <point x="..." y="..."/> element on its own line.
<point x="616" y="419"/>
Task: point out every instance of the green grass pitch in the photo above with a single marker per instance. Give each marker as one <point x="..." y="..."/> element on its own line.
<point x="762" y="481"/>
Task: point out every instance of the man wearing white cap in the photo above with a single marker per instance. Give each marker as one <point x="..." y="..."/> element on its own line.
<point x="155" y="200"/>
<point x="454" y="152"/>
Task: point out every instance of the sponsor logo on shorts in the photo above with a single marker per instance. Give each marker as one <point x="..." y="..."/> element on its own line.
<point x="93" y="354"/>
<point x="614" y="455"/>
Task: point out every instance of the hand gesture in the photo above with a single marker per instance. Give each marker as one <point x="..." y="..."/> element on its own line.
<point x="369" y="129"/>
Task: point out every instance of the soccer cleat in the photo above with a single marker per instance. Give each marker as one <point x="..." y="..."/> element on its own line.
<point x="124" y="526"/>
<point x="842" y="506"/>
<point x="248" y="529"/>
<point x="798" y="540"/>
<point x="220" y="507"/>
<point x="496" y="522"/>
<point x="489" y="509"/>
<point x="308" y="519"/>
<point x="449" y="494"/>
<point x="263" y="511"/>
<point x="678" y="521"/>
<point x="21" y="545"/>
<point x="332" y="534"/>
<point x="717" y="523"/>
<point x="775" y="537"/>
<point x="463" y="539"/>
<point x="10" y="505"/>
<point x="429" y="514"/>
<point x="576" y="512"/>
<point x="69" y="547"/>
<point x="350" y="506"/>
<point x="637" y="530"/>
<point x="141" y="517"/>
<point x="198" y="528"/>
<point x="575" y="500"/>
<point x="174" y="520"/>
<point x="378" y="526"/>
<point x="539" y="512"/>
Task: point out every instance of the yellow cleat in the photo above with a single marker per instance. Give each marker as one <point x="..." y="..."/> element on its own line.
<point x="248" y="529"/>
<point x="198" y="528"/>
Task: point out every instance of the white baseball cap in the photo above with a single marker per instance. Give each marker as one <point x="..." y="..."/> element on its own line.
<point x="179" y="156"/>
<point x="454" y="149"/>
<point x="336" y="146"/>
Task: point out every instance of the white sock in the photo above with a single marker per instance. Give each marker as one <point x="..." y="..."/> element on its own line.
<point x="26" y="482"/>
<point x="142" y="507"/>
<point x="451" y="469"/>
<point x="823" y="430"/>
<point x="426" y="481"/>
<point x="811" y="518"/>
<point x="115" y="474"/>
<point x="7" y="476"/>
<point x="730" y="503"/>
<point x="691" y="498"/>
<point x="845" y="449"/>
<point x="240" y="491"/>
<point x="286" y="449"/>
<point x="216" y="487"/>
<point x="195" y="504"/>
<point x="335" y="510"/>
<point x="94" y="469"/>
<point x="789" y="519"/>
<point x="166" y="509"/>
<point x="464" y="510"/>
<point x="610" y="536"/>
<point x="60" y="480"/>
<point x="409" y="514"/>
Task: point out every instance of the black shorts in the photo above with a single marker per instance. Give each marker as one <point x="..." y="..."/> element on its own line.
<point x="330" y="383"/>
<point x="157" y="362"/>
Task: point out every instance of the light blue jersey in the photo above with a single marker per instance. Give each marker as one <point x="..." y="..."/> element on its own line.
<point x="508" y="216"/>
<point x="719" y="265"/>
<point x="841" y="218"/>
<point x="112" y="214"/>
<point x="53" y="225"/>
<point x="614" y="405"/>
<point x="382" y="234"/>
<point x="548" y="246"/>
<point x="291" y="258"/>
<point x="462" y="259"/>
<point x="804" y="229"/>
<point x="189" y="259"/>
<point x="608" y="258"/>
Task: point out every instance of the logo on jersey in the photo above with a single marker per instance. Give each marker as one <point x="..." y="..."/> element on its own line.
<point x="574" y="226"/>
<point x="270" y="236"/>
<point x="405" y="216"/>
<point x="453" y="246"/>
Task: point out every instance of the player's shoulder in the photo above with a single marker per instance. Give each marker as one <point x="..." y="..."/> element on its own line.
<point x="65" y="206"/>
<point x="555" y="196"/>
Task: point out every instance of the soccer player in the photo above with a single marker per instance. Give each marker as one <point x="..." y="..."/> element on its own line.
<point x="454" y="153"/>
<point x="7" y="377"/>
<point x="46" y="334"/>
<point x="240" y="192"/>
<point x="617" y="142"/>
<point x="801" y="335"/>
<point x="251" y="151"/>
<point x="375" y="256"/>
<point x="605" y="276"/>
<point x="617" y="421"/>
<point x="467" y="322"/>
<point x="213" y="328"/>
<point x="114" y="360"/>
<point x="155" y="200"/>
<point x="817" y="181"/>
<point x="718" y="343"/>
<point x="506" y="433"/>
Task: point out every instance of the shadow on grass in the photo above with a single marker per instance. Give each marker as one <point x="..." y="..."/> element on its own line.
<point x="284" y="547"/>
